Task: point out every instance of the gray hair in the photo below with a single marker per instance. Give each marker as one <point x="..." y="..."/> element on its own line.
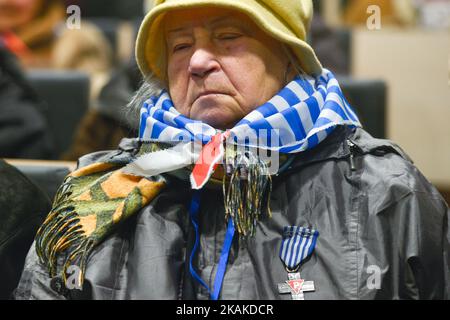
<point x="151" y="86"/>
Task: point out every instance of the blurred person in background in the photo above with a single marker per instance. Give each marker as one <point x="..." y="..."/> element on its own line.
<point x="23" y="207"/>
<point x="36" y="31"/>
<point x="28" y="28"/>
<point x="108" y="121"/>
<point x="23" y="128"/>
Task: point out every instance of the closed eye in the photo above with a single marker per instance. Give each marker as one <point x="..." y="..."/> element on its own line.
<point x="229" y="36"/>
<point x="180" y="47"/>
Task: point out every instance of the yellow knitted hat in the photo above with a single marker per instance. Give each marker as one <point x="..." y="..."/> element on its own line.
<point x="285" y="20"/>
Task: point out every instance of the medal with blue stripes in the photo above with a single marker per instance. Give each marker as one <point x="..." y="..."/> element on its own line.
<point x="298" y="244"/>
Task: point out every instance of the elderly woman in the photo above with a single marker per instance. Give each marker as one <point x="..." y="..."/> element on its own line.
<point x="251" y="179"/>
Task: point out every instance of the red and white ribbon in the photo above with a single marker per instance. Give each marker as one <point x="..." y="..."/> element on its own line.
<point x="210" y="157"/>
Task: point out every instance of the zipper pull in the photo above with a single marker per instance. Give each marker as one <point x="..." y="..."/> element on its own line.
<point x="351" y="147"/>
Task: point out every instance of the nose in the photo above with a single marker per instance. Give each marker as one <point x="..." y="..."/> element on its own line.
<point x="203" y="60"/>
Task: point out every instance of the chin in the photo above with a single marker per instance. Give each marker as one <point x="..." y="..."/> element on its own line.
<point x="218" y="115"/>
<point x="219" y="122"/>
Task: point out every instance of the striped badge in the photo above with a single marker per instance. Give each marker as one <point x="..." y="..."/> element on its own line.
<point x="298" y="244"/>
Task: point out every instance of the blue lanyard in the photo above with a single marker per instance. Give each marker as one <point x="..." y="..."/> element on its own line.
<point x="193" y="212"/>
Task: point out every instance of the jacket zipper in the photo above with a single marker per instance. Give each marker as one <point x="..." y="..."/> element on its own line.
<point x="352" y="148"/>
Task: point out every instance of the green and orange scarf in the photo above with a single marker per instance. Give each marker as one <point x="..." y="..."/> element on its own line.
<point x="88" y="206"/>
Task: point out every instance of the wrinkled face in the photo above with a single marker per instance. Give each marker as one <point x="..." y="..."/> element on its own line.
<point x="220" y="65"/>
<point x="15" y="13"/>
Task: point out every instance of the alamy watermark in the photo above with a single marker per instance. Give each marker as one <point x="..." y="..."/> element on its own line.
<point x="74" y="19"/>
<point x="248" y="148"/>
<point x="73" y="280"/>
<point x="374" y="280"/>
<point x="374" y="20"/>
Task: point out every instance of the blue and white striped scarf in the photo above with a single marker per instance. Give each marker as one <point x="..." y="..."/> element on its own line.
<point x="301" y="116"/>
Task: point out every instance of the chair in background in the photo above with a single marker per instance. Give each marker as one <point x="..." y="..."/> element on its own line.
<point x="66" y="97"/>
<point x="368" y="98"/>
<point x="47" y="175"/>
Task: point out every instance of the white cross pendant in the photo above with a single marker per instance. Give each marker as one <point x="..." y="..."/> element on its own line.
<point x="296" y="286"/>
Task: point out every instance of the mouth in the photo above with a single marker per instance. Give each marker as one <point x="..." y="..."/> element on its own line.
<point x="208" y="93"/>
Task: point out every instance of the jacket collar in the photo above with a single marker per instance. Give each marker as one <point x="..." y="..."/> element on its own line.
<point x="339" y="146"/>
